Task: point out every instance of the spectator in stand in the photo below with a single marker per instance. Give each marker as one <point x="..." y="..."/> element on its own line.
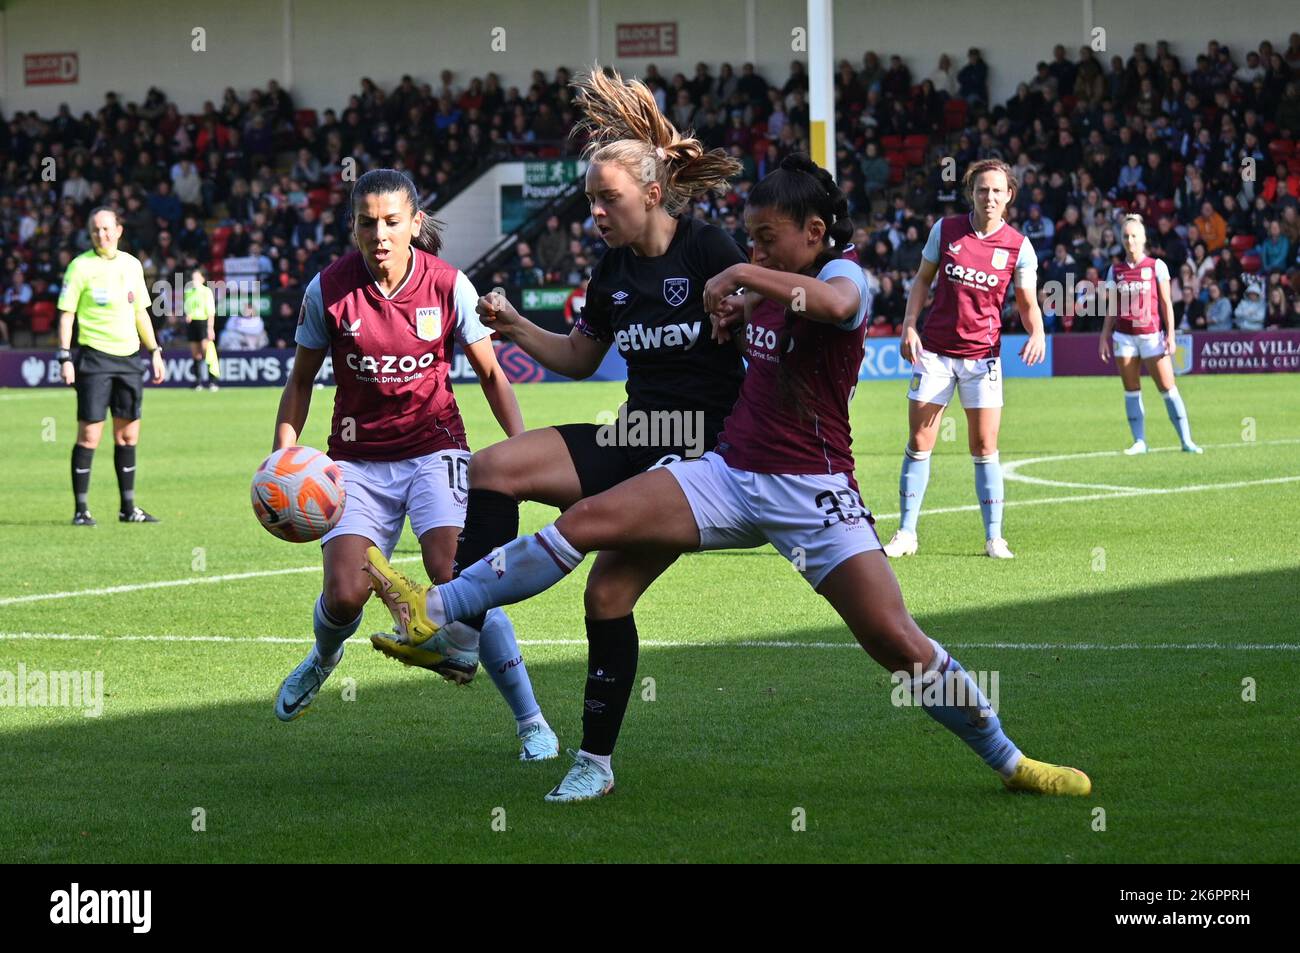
<point x="1275" y="252"/>
<point x="1213" y="229"/>
<point x="552" y="246"/>
<point x="1218" y="310"/>
<point x="1250" y="312"/>
<point x="973" y="78"/>
<point x="1189" y="311"/>
<point x="1279" y="308"/>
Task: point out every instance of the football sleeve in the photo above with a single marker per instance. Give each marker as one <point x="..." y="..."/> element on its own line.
<point x="70" y="293"/>
<point x="594" y="320"/>
<point x="931" y="250"/>
<point x="1026" y="271"/>
<point x="311" y="332"/>
<point x="839" y="268"/>
<point x="468" y="326"/>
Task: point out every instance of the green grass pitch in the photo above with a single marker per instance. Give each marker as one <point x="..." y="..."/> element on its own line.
<point x="1123" y="635"/>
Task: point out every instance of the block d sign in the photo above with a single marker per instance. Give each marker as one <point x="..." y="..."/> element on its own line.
<point x="647" y="39"/>
<point x="48" y="69"/>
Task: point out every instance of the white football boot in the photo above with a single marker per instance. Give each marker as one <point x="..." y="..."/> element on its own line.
<point x="997" y="549"/>
<point x="903" y="543"/>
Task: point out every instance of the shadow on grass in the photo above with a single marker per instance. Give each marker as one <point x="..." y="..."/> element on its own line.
<point x="734" y="744"/>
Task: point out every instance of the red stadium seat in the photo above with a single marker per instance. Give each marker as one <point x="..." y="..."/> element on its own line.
<point x="917" y="140"/>
<point x="1242" y="244"/>
<point x="915" y="156"/>
<point x="1251" y="263"/>
<point x="303" y="119"/>
<point x="1165" y="206"/>
<point x="896" y="174"/>
<point x="954" y="114"/>
<point x="319" y="199"/>
<point x="891" y="143"/>
<point x="1280" y="150"/>
<point x="43" y="313"/>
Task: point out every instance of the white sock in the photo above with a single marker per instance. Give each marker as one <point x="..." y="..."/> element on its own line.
<point x="531" y="720"/>
<point x="600" y="759"/>
<point x="433" y="606"/>
<point x="1012" y="763"/>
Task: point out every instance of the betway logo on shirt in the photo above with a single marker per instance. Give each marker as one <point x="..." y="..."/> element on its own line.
<point x="638" y="337"/>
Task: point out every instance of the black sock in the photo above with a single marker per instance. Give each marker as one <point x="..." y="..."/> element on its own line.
<point x="200" y="370"/>
<point x="81" y="460"/>
<point x="124" y="463"/>
<point x="611" y="670"/>
<point x="491" y="520"/>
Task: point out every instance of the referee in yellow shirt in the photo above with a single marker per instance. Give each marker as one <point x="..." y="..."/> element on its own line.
<point x="200" y="319"/>
<point x="104" y="292"/>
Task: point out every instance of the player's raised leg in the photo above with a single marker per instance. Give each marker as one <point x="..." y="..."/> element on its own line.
<point x="1130" y="373"/>
<point x="335" y="617"/>
<point x="648" y="510"/>
<point x="864" y="591"/>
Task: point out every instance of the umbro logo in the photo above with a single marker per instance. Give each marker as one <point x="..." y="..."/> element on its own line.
<point x="954" y="247"/>
<point x="620" y="297"/>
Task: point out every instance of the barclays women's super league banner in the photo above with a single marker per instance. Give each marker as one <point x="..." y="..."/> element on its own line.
<point x="1204" y="352"/>
<point x="270" y="367"/>
<point x="883" y="359"/>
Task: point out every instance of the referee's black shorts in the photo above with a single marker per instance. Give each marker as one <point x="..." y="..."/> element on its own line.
<point x="108" y="383"/>
<point x="196" y="331"/>
<point x="601" y="465"/>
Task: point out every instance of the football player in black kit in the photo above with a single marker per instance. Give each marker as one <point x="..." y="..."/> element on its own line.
<point x="645" y="297"/>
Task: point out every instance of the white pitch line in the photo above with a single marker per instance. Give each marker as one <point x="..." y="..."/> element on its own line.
<point x="1086" y="497"/>
<point x="747" y="644"/>
<point x="969" y="508"/>
<point x="1010" y="470"/>
<point x="169" y="583"/>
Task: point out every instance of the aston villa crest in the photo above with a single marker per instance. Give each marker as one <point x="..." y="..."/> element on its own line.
<point x="1000" y="256"/>
<point x="428" y="323"/>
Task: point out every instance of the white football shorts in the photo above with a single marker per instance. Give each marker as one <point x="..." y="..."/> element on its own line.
<point x="432" y="491"/>
<point x="936" y="376"/>
<point x="814" y="520"/>
<point x="1139" y="345"/>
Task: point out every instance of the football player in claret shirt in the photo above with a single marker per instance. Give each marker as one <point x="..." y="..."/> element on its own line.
<point x="645" y="298"/>
<point x="977" y="259"/>
<point x="1138" y="304"/>
<point x="782" y="473"/>
<point x="388" y="314"/>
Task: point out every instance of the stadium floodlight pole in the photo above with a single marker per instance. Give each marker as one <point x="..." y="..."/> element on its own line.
<point x="821" y="88"/>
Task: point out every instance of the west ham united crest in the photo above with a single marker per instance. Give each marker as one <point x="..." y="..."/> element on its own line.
<point x="428" y="323"/>
<point x="676" y="290"/>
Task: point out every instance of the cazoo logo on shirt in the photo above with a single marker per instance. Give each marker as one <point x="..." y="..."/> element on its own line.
<point x="384" y="364"/>
<point x="970" y="276"/>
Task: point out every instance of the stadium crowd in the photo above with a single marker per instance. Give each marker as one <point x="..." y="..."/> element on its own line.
<point x="1203" y="146"/>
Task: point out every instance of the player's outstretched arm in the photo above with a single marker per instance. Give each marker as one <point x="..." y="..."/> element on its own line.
<point x="833" y="301"/>
<point x="574" y="354"/>
<point x="496" y="388"/>
<point x="296" y="399"/>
